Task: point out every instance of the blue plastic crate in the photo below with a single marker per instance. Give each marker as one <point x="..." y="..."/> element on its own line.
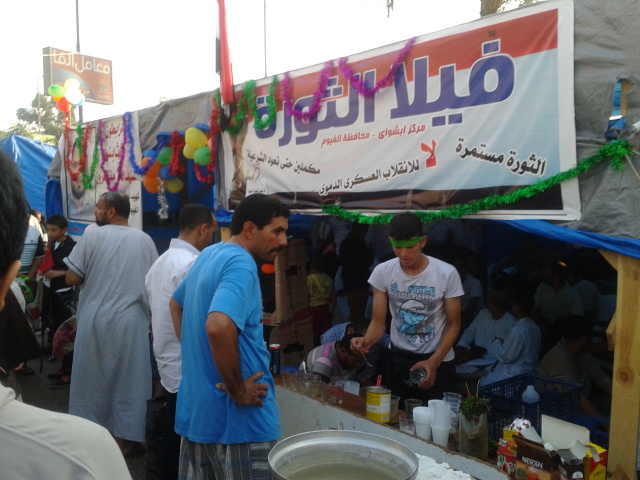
<point x="557" y="399"/>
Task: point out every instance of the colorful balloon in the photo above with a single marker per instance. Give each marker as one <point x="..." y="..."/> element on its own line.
<point x="155" y="168"/>
<point x="71" y="84"/>
<point x="268" y="268"/>
<point x="164" y="157"/>
<point x="55" y="91"/>
<point x="202" y="156"/>
<point x="174" y="186"/>
<point x="56" y="99"/>
<point x="149" y="153"/>
<point x="164" y="173"/>
<point x="74" y="96"/>
<point x="195" y="138"/>
<point x="188" y="151"/>
<point x="63" y="105"/>
<point x="152" y="184"/>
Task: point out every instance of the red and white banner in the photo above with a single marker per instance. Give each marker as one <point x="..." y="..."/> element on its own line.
<point x="476" y="110"/>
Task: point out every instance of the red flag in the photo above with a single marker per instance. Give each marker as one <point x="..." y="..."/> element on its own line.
<point x="222" y="57"/>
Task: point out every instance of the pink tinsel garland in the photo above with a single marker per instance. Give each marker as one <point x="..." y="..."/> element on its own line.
<point x="387" y="81"/>
<point x="318" y="94"/>
<point x="112" y="187"/>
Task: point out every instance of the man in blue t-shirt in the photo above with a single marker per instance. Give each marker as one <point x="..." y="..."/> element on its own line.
<point x="226" y="410"/>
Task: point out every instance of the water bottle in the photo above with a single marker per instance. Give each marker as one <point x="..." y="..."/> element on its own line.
<point x="530" y="395"/>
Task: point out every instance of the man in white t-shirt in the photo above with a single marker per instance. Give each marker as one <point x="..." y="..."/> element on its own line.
<point x="423" y="296"/>
<point x="197" y="226"/>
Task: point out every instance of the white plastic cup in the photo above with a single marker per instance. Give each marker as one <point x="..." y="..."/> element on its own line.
<point x="438" y="421"/>
<point x="422" y="421"/>
<point x="440" y="436"/>
<point x="452" y="396"/>
<point x="440" y="410"/>
<point x="454" y="400"/>
<point x="423" y="430"/>
<point x="441" y="416"/>
<point x="437" y="405"/>
<point x="422" y="414"/>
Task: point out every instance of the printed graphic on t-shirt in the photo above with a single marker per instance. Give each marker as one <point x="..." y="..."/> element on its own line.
<point x="416" y="312"/>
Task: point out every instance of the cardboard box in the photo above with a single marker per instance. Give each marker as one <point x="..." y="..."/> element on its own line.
<point x="576" y="457"/>
<point x="295" y="339"/>
<point x="288" y="287"/>
<point x="595" y="466"/>
<point x="507" y="457"/>
<point x="534" y="462"/>
<point x="509" y="434"/>
<point x="592" y="467"/>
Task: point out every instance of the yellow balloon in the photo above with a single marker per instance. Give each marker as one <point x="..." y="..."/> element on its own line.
<point x="188" y="151"/>
<point x="71" y="84"/>
<point x="195" y="138"/>
<point x="173" y="186"/>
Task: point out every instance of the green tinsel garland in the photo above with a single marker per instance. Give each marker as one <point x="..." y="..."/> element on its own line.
<point x="615" y="151"/>
<point x="271" y="106"/>
<point x="248" y="104"/>
<point x="87" y="179"/>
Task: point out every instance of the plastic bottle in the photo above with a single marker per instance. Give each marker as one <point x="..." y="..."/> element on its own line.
<point x="530" y="395"/>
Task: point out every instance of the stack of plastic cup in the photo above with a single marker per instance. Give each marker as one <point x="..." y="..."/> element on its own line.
<point x="440" y="421"/>
<point x="454" y="400"/>
<point x="422" y="421"/>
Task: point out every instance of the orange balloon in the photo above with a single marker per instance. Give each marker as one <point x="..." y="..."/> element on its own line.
<point x="152" y="184"/>
<point x="155" y="168"/>
<point x="268" y="268"/>
<point x="56" y="99"/>
<point x="63" y="105"/>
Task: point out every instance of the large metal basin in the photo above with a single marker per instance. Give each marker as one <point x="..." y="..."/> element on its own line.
<point x="343" y="454"/>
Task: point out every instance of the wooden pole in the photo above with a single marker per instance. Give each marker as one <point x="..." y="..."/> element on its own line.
<point x="624" y="331"/>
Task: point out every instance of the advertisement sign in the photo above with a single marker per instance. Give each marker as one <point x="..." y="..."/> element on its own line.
<point x="481" y="109"/>
<point x="102" y="153"/>
<point x="94" y="74"/>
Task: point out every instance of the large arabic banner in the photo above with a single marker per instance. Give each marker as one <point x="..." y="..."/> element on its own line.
<point x="481" y="109"/>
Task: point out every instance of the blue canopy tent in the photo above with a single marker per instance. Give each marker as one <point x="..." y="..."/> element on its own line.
<point x="33" y="159"/>
<point x="624" y="246"/>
